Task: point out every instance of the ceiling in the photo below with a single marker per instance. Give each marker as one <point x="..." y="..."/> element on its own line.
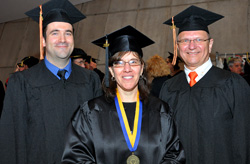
<point x="14" y="9"/>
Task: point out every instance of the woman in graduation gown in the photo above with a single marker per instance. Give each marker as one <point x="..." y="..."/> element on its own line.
<point x="126" y="125"/>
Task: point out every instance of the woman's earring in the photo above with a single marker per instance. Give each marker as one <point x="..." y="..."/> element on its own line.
<point x="141" y="77"/>
<point x="113" y="78"/>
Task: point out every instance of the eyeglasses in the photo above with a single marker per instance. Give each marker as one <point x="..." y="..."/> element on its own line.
<point x="121" y="63"/>
<point x="196" y="41"/>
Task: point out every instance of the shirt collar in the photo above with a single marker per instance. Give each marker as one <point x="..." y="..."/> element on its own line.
<point x="54" y="69"/>
<point x="201" y="70"/>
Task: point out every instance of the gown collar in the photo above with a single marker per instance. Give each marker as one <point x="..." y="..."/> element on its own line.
<point x="54" y="69"/>
<point x="201" y="70"/>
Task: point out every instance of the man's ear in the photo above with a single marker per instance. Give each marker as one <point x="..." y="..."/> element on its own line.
<point x="44" y="45"/>
<point x="211" y="42"/>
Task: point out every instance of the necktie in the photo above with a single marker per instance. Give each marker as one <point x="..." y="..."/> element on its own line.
<point x="61" y="74"/>
<point x="192" y="76"/>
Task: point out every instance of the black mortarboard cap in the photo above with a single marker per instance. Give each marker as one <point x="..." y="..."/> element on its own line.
<point x="19" y="64"/>
<point x="78" y="53"/>
<point x="29" y="61"/>
<point x="56" y="11"/>
<point x="88" y="58"/>
<point x="94" y="60"/>
<point x="193" y="19"/>
<point x="125" y="39"/>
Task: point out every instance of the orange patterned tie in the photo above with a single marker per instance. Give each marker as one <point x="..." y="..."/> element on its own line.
<point x="192" y="76"/>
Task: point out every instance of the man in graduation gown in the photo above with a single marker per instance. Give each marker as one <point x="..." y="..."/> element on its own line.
<point x="40" y="101"/>
<point x="211" y="109"/>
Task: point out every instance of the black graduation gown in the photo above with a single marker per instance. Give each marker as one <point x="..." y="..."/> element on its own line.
<point x="212" y="117"/>
<point x="95" y="135"/>
<point x="247" y="78"/>
<point x="2" y="93"/>
<point x="157" y="84"/>
<point x="37" y="109"/>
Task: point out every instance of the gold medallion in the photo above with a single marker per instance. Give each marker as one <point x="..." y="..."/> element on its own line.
<point x="133" y="159"/>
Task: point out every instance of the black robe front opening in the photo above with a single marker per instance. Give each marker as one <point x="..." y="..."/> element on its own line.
<point x="212" y="117"/>
<point x="96" y="136"/>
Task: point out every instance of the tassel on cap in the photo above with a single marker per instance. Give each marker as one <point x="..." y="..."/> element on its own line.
<point x="248" y="58"/>
<point x="54" y="11"/>
<point x="191" y="19"/>
<point x="174" y="41"/>
<point x="106" y="79"/>
<point x="41" y="33"/>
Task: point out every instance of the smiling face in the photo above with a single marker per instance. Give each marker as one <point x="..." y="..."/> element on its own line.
<point x="127" y="76"/>
<point x="194" y="54"/>
<point x="59" y="42"/>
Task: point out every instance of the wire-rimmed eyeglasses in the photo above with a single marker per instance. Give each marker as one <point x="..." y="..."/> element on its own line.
<point x="132" y="62"/>
<point x="196" y="41"/>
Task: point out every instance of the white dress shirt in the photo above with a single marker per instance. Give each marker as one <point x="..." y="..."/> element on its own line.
<point x="201" y="70"/>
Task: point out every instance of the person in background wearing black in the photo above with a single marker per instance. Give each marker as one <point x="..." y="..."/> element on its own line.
<point x="41" y="100"/>
<point x="91" y="64"/>
<point x="174" y="69"/>
<point x="26" y="63"/>
<point x="78" y="57"/>
<point x="210" y="105"/>
<point x="29" y="61"/>
<point x="246" y="74"/>
<point x="158" y="72"/>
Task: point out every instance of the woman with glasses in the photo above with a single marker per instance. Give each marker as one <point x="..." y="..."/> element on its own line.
<point x="126" y="125"/>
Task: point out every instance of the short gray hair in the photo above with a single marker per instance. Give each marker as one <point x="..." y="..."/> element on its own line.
<point x="234" y="60"/>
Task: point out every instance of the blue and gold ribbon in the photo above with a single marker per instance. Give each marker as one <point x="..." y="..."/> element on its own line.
<point x="132" y="138"/>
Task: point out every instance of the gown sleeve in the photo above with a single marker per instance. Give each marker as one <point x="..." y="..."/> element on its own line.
<point x="97" y="87"/>
<point x="13" y="145"/>
<point x="174" y="152"/>
<point x="79" y="147"/>
<point x="239" y="105"/>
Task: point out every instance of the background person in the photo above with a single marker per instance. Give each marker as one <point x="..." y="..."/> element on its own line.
<point x="174" y="69"/>
<point x="158" y="72"/>
<point x="78" y="57"/>
<point x="26" y="63"/>
<point x="19" y="67"/>
<point x="235" y="65"/>
<point x="210" y="105"/>
<point x="98" y="134"/>
<point x="29" y="61"/>
<point x="246" y="74"/>
<point x="91" y="64"/>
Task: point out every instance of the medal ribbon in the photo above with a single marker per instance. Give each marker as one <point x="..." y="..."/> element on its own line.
<point x="132" y="139"/>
